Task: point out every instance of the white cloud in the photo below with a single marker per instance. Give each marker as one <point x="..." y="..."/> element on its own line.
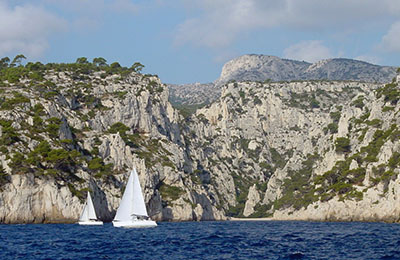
<point x="26" y="28"/>
<point x="87" y="15"/>
<point x="391" y="41"/>
<point x="220" y="22"/>
<point x="310" y="51"/>
<point x="94" y="7"/>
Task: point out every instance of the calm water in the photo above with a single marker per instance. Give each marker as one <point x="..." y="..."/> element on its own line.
<point x="205" y="240"/>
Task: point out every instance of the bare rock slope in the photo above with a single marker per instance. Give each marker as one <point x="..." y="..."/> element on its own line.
<point x="320" y="150"/>
<point x="264" y="68"/>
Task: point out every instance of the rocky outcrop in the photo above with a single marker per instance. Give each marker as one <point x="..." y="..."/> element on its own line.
<point x="307" y="147"/>
<point x="193" y="94"/>
<point x="68" y="133"/>
<point x="263" y="67"/>
<point x="310" y="150"/>
<point x="252" y="200"/>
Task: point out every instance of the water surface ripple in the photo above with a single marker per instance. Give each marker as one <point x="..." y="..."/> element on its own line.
<point x="203" y="240"/>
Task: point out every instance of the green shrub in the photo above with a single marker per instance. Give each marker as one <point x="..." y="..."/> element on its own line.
<point x="236" y="211"/>
<point x="297" y="189"/>
<point x="341" y="187"/>
<point x="4" y="177"/>
<point x="242" y="94"/>
<point x="18" y="164"/>
<point x="342" y="145"/>
<point x="359" y="102"/>
<point x="10" y="135"/>
<point x="170" y="192"/>
<point x="118" y="128"/>
<point x="43" y="149"/>
<point x="374" y="122"/>
<point x="96" y="164"/>
<point x="278" y="159"/>
<point x="53" y="127"/>
<point x="261" y="211"/>
<point x="332" y="128"/>
<point x="390" y="92"/>
<point x="38" y="110"/>
<point x="121" y="94"/>
<point x="9" y="104"/>
<point x="377" y="142"/>
<point x="49" y="95"/>
<point x="362" y="135"/>
<point x="57" y="156"/>
<point x="394" y="161"/>
<point x="387" y="109"/>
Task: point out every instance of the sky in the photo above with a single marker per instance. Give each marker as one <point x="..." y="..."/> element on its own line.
<point x="188" y="41"/>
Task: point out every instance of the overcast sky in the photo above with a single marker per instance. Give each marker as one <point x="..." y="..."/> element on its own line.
<point x="186" y="41"/>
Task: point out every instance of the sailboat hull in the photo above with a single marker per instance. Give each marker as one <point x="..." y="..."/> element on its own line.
<point x="90" y="223"/>
<point x="135" y="224"/>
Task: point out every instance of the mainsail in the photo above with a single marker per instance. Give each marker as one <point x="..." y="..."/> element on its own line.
<point x="132" y="203"/>
<point x="88" y="212"/>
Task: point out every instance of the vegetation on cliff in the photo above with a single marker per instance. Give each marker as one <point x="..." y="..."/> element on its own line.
<point x="37" y="104"/>
<point x="261" y="148"/>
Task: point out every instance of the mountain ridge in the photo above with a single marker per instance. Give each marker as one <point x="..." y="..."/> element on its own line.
<point x="255" y="67"/>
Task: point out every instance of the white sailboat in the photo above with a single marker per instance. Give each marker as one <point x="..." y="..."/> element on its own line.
<point x="132" y="211"/>
<point x="88" y="216"/>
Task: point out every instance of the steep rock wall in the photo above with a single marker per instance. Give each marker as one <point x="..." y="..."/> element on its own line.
<point x="68" y="134"/>
<point x="311" y="150"/>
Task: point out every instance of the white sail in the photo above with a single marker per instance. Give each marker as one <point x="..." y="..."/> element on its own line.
<point x="88" y="216"/>
<point x="88" y="212"/>
<point x="84" y="216"/>
<point x="132" y="211"/>
<point x="132" y="202"/>
<point x="91" y="212"/>
<point x="125" y="207"/>
<point x="139" y="207"/>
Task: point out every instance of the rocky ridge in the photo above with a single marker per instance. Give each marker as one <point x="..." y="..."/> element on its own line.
<point x="321" y="150"/>
<point x="264" y="68"/>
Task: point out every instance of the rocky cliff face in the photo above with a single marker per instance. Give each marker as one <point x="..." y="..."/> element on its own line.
<point x="265" y="68"/>
<point x="321" y="150"/>
<point x="193" y="94"/>
<point x="303" y="150"/>
<point x="262" y="67"/>
<point x="69" y="132"/>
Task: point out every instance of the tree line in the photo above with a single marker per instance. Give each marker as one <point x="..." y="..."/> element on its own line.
<point x="13" y="70"/>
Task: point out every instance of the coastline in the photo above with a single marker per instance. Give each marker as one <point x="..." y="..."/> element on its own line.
<point x="250" y="219"/>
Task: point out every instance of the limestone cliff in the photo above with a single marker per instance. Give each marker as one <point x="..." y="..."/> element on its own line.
<point x="321" y="150"/>
<point x="303" y="150"/>
<point x="66" y="130"/>
<point x="264" y="68"/>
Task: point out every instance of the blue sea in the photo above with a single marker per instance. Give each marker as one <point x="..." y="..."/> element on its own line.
<point x="203" y="240"/>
